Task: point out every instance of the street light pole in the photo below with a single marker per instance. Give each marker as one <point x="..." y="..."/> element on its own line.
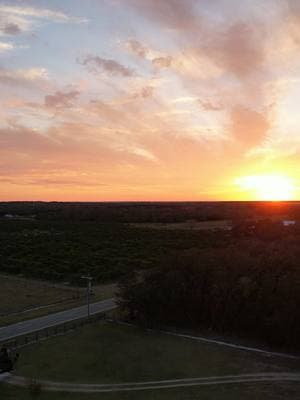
<point x="88" y="292"/>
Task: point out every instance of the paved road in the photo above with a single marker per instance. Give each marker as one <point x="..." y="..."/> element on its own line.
<point x="36" y="324"/>
<point x="163" y="384"/>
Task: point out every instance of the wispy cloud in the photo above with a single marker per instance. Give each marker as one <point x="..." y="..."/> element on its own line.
<point x="41" y="13"/>
<point x="17" y="19"/>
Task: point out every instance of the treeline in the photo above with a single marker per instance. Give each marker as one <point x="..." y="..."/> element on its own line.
<point x="148" y="211"/>
<point x="251" y="289"/>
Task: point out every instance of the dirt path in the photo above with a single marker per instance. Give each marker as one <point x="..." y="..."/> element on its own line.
<point x="151" y="385"/>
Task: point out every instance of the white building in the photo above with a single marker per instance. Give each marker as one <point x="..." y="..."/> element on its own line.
<point x="288" y="222"/>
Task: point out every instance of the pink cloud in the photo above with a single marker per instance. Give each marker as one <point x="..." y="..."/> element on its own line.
<point x="61" y="99"/>
<point x="239" y="49"/>
<point x="175" y="14"/>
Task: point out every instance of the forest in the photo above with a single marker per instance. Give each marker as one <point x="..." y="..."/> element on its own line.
<point x="249" y="289"/>
<point x="64" y="250"/>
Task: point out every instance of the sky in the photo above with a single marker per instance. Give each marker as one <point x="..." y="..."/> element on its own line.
<point x="144" y="100"/>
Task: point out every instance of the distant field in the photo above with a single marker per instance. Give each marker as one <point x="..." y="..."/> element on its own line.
<point x="188" y="225"/>
<point x="107" y="353"/>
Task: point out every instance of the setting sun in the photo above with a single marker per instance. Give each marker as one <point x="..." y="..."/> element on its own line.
<point x="268" y="187"/>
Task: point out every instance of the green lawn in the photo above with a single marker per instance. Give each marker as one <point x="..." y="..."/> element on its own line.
<point x="107" y="353"/>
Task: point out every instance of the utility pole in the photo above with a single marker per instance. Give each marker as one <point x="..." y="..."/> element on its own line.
<point x="88" y="292"/>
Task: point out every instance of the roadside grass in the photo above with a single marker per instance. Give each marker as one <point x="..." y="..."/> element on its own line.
<point x="187" y="225"/>
<point x="109" y="353"/>
<point x="20" y="294"/>
<point x="258" y="391"/>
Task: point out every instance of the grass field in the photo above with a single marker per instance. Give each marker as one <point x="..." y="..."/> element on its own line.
<point x="19" y="294"/>
<point x="108" y="353"/>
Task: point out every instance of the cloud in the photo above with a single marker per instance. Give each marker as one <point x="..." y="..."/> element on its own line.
<point x="6" y="47"/>
<point x="162" y="62"/>
<point x="239" y="49"/>
<point x="23" y="76"/>
<point x="67" y="148"/>
<point x="40" y="13"/>
<point x="16" y="19"/>
<point x="53" y="181"/>
<point x="96" y="64"/>
<point x="11" y="29"/>
<point x="248" y="126"/>
<point x="293" y="8"/>
<point x="61" y="99"/>
<point x="142" y="51"/>
<point x="208" y="105"/>
<point x="173" y="14"/>
<point x="144" y="93"/>
<point x="137" y="48"/>
<point x="232" y="46"/>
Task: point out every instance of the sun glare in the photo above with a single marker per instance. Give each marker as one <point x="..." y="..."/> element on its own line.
<point x="268" y="187"/>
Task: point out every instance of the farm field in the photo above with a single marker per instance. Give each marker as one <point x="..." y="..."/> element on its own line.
<point x="187" y="225"/>
<point x="109" y="353"/>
